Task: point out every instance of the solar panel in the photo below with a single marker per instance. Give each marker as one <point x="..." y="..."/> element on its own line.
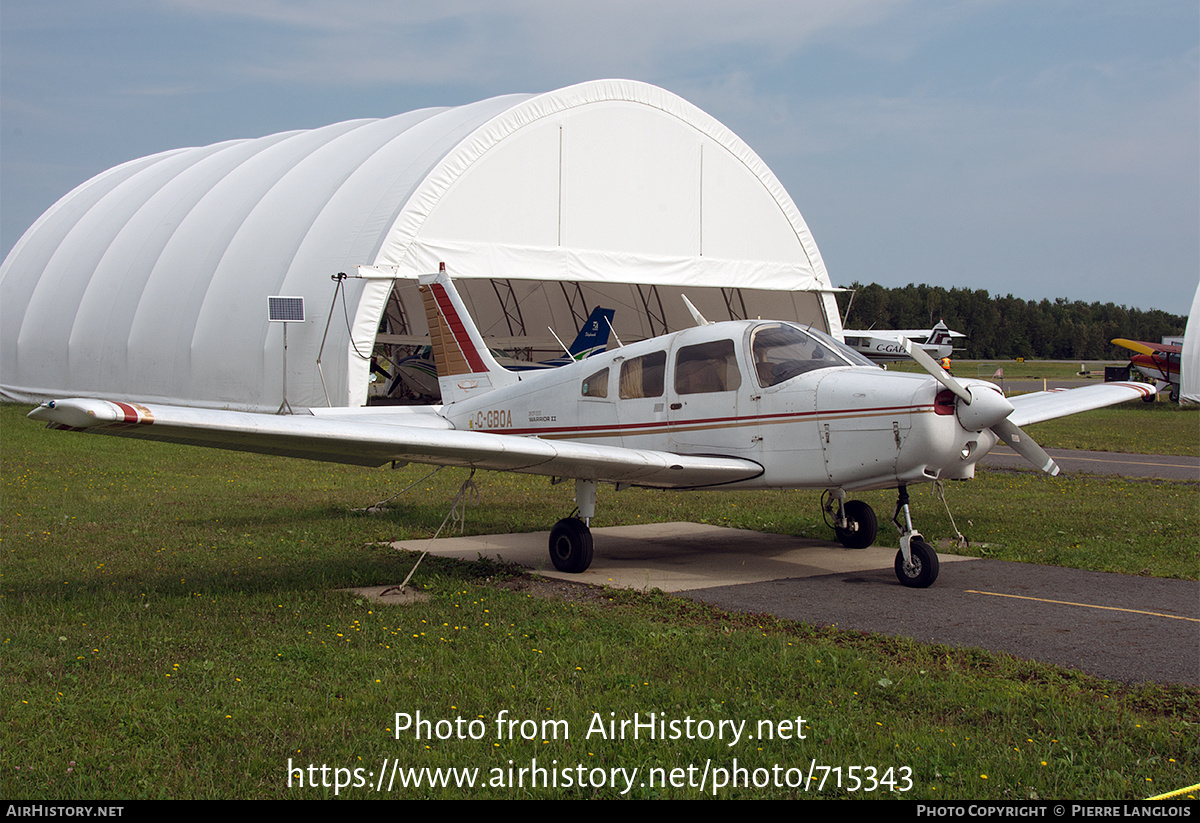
<point x="285" y="309"/>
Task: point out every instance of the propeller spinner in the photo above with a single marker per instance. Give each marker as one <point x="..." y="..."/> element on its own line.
<point x="981" y="408"/>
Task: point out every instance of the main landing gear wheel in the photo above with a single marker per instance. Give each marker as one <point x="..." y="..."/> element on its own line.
<point x="571" y="545"/>
<point x="861" y="525"/>
<point x="923" y="570"/>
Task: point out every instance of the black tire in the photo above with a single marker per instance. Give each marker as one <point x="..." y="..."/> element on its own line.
<point x="1149" y="398"/>
<point x="571" y="545"/>
<point x="862" y="526"/>
<point x="924" y="568"/>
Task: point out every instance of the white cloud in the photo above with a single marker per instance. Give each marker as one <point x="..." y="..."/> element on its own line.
<point x="464" y="41"/>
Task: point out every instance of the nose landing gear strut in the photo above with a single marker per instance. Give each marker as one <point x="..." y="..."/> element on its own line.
<point x="856" y="526"/>
<point x="916" y="562"/>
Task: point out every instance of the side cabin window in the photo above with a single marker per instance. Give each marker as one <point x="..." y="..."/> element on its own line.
<point x="596" y="385"/>
<point x="707" y="367"/>
<point x="643" y="376"/>
<point x="781" y="351"/>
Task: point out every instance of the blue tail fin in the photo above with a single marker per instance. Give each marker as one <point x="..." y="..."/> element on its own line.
<point x="593" y="335"/>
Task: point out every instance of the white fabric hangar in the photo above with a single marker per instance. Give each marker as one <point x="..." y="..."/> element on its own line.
<point x="150" y="281"/>
<point x="1189" y="369"/>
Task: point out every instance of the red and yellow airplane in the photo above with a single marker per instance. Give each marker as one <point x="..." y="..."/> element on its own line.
<point x="1158" y="361"/>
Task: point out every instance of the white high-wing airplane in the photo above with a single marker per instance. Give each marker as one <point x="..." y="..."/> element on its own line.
<point x="887" y="345"/>
<point x="734" y="405"/>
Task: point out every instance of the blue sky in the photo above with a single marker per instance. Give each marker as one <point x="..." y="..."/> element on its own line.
<point x="1033" y="147"/>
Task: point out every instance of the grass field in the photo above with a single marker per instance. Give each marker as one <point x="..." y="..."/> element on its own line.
<point x="1137" y="428"/>
<point x="172" y="626"/>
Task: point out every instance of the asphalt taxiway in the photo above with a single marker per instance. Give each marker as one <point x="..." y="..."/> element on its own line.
<point x="1123" y="628"/>
<point x="1074" y="461"/>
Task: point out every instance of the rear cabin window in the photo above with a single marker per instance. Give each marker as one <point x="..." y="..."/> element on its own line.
<point x="643" y="376"/>
<point x="596" y="385"/>
<point x="707" y="367"/>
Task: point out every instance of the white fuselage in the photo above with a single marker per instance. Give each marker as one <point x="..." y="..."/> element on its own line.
<point x="888" y="347"/>
<point x="720" y="390"/>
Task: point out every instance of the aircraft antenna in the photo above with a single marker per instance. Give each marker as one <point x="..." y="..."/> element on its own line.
<point x="614" y="333"/>
<point x="700" y="319"/>
<point x="560" y="342"/>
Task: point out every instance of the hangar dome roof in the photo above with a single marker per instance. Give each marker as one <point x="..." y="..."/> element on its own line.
<point x="148" y="282"/>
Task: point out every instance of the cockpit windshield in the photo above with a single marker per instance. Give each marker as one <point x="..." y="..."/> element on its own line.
<point x="782" y="351"/>
<point x="856" y="358"/>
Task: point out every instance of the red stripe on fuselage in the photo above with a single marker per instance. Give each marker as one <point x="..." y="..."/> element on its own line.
<point x="1166" y="367"/>
<point x="446" y="306"/>
<point x="656" y="427"/>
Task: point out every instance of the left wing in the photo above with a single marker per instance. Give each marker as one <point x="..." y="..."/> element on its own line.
<point x="1047" y="405"/>
<point x="377" y="437"/>
<point x="1142" y="347"/>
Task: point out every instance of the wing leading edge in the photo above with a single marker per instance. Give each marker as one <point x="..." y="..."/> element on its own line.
<point x="375" y="440"/>
<point x="1047" y="405"/>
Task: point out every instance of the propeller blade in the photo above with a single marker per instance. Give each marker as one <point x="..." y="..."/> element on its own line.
<point x="982" y="407"/>
<point x="992" y="407"/>
<point x="1024" y="445"/>
<point x="937" y="372"/>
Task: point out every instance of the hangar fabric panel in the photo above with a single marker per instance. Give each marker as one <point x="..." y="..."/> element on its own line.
<point x="1189" y="367"/>
<point x="151" y="280"/>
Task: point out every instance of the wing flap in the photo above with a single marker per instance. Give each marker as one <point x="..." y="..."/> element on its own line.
<point x="1048" y="405"/>
<point x="378" y="439"/>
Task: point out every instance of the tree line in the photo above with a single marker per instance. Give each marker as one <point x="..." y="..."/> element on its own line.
<point x="1008" y="327"/>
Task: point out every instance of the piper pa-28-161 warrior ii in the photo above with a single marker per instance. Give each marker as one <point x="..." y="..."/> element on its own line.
<point x="746" y="404"/>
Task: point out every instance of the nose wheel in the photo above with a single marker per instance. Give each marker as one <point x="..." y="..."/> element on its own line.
<point x="916" y="562"/>
<point x="856" y="527"/>
<point x="920" y="568"/>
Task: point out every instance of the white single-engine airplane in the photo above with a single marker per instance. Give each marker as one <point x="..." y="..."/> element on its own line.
<point x="742" y="404"/>
<point x="888" y="346"/>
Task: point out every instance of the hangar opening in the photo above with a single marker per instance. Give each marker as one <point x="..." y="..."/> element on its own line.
<point x="533" y="321"/>
<point x="150" y="280"/>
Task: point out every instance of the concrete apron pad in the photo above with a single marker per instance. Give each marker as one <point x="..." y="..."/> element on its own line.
<point x="672" y="557"/>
